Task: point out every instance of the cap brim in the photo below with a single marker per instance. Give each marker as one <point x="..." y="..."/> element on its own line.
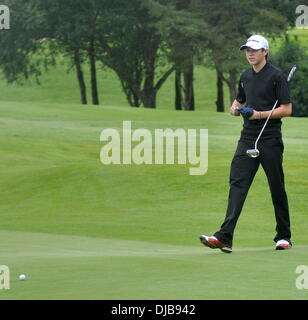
<point x="243" y="47"/>
<point x="252" y="46"/>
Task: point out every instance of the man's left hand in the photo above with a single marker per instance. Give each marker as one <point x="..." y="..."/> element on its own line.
<point x="255" y="115"/>
<point x="247" y="113"/>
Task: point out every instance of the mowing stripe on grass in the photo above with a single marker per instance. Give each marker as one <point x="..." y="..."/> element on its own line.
<point x="42" y="245"/>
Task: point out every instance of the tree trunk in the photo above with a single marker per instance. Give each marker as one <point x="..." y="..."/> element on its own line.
<point x="232" y="85"/>
<point x="220" y="103"/>
<point x="80" y="78"/>
<point x="135" y="99"/>
<point x="178" y="91"/>
<point x="132" y="98"/>
<point x="149" y="93"/>
<point x="92" y="58"/>
<point x="149" y="99"/>
<point x="189" y="88"/>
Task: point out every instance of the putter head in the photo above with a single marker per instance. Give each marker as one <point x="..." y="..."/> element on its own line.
<point x="253" y="153"/>
<point x="292" y="72"/>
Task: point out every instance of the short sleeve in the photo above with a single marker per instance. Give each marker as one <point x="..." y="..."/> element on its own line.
<point x="282" y="89"/>
<point x="241" y="97"/>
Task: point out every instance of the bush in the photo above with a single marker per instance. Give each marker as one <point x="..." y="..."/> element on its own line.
<point x="292" y="53"/>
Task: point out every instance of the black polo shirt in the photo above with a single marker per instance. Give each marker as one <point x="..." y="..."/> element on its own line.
<point x="260" y="90"/>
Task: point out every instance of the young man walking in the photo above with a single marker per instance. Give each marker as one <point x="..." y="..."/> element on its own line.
<point x="259" y="88"/>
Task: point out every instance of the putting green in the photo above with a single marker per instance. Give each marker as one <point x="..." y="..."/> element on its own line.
<point x="81" y="230"/>
<point x="75" y="267"/>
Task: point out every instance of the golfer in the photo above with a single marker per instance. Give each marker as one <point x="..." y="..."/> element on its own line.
<point x="259" y="88"/>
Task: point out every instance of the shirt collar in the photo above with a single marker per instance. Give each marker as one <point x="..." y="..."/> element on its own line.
<point x="262" y="70"/>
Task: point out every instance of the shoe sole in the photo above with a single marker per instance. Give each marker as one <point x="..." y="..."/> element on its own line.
<point x="226" y="250"/>
<point x="210" y="245"/>
<point x="282" y="248"/>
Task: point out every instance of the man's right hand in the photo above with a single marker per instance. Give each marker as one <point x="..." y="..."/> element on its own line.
<point x="234" y="110"/>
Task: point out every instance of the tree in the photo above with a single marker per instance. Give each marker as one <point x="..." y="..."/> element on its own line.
<point x="184" y="33"/>
<point x="43" y="29"/>
<point x="290" y="53"/>
<point x="22" y="55"/>
<point x="132" y="47"/>
<point x="286" y="8"/>
<point x="231" y="23"/>
<point x="75" y="26"/>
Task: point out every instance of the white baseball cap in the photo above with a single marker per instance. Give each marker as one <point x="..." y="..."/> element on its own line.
<point x="255" y="42"/>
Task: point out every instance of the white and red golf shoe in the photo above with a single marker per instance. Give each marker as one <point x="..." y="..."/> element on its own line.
<point x="213" y="243"/>
<point x="283" y="244"/>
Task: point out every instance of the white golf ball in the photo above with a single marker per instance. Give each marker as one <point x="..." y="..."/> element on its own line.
<point x="22" y="277"/>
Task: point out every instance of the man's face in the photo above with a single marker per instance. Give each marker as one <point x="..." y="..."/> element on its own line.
<point x="255" y="57"/>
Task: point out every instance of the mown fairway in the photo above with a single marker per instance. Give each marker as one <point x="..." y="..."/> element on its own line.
<point x="81" y="230"/>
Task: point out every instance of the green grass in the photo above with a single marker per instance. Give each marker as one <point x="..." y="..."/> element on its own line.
<point x="82" y="230"/>
<point x="61" y="266"/>
<point x="300" y="34"/>
<point x="59" y="86"/>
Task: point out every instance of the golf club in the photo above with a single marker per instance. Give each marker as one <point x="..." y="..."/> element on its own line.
<point x="254" y="153"/>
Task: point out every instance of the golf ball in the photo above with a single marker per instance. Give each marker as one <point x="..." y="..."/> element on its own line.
<point x="22" y="277"/>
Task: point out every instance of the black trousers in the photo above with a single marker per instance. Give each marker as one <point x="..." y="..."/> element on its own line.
<point x="243" y="170"/>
